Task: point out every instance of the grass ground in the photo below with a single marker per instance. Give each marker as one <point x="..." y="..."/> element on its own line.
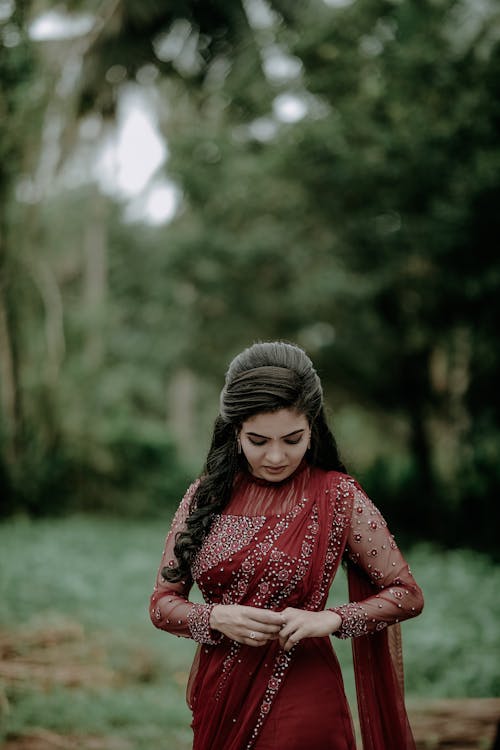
<point x="79" y="659"/>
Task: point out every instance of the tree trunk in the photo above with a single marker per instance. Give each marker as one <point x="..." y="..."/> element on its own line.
<point x="95" y="281"/>
<point x="9" y="385"/>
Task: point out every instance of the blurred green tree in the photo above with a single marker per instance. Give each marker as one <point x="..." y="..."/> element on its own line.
<point x="339" y="174"/>
<point x="366" y="230"/>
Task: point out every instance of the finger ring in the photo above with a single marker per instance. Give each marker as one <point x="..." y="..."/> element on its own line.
<point x="252" y="635"/>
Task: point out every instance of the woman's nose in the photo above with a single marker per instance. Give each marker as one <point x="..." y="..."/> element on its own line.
<point x="274" y="454"/>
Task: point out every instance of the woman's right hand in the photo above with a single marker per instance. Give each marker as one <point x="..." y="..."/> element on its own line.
<point x="249" y="625"/>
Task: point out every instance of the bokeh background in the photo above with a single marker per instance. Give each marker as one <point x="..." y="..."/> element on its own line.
<point x="178" y="180"/>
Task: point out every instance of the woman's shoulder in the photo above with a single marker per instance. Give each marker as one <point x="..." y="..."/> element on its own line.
<point x="340" y="486"/>
<point x="193" y="487"/>
<point x="337" y="480"/>
<point x="186" y="503"/>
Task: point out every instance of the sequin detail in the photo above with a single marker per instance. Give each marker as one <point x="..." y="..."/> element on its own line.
<point x="371" y="547"/>
<point x="199" y="624"/>
<point x="282" y="663"/>
<point x="353" y="621"/>
<point x="282" y="573"/>
<point x="341" y="499"/>
<point x="228" y="535"/>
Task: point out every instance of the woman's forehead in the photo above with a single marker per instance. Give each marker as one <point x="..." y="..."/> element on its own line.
<point x="276" y="423"/>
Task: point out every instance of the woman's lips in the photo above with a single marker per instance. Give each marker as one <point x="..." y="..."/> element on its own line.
<point x="275" y="469"/>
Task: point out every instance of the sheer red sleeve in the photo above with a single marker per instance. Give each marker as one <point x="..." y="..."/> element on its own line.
<point x="372" y="548"/>
<point x="170" y="608"/>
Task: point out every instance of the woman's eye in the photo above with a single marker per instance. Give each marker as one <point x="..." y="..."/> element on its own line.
<point x="256" y="442"/>
<point x="295" y="441"/>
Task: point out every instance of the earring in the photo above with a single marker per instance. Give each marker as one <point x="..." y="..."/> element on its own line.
<point x="238" y="444"/>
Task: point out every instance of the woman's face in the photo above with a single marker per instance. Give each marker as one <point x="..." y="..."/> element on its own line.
<point x="275" y="443"/>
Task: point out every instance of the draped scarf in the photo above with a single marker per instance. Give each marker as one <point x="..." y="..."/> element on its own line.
<point x="284" y="560"/>
<point x="378" y="672"/>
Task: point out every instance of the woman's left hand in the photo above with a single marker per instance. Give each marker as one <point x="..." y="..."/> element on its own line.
<point x="301" y="623"/>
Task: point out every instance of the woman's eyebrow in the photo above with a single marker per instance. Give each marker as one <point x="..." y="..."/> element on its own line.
<point x="265" y="437"/>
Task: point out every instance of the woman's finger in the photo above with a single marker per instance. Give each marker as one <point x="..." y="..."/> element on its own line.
<point x="291" y="641"/>
<point x="255" y="639"/>
<point x="265" y="617"/>
<point x="291" y="633"/>
<point x="287" y="630"/>
<point x="267" y="629"/>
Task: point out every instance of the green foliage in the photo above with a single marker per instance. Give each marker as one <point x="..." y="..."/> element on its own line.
<point x="17" y="71"/>
<point x="126" y="465"/>
<point x="92" y="434"/>
<point x="448" y="652"/>
<point x="364" y="230"/>
<point x="137" y="717"/>
<point x="144" y="473"/>
<point x="97" y="573"/>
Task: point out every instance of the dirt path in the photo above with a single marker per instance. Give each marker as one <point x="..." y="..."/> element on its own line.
<point x="455" y="724"/>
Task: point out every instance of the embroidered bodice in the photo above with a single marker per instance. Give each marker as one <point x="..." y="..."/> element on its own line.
<point x="249" y="531"/>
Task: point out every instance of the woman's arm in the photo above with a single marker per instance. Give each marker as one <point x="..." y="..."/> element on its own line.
<point x="169" y="607"/>
<point x="372" y="548"/>
<point x="171" y="610"/>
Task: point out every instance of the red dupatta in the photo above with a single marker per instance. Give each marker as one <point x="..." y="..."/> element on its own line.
<point x="285" y="560"/>
<point x="377" y="661"/>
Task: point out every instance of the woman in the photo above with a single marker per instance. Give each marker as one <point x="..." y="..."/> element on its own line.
<point x="262" y="533"/>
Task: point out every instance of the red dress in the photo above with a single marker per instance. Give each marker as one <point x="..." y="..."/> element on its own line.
<point x="277" y="546"/>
